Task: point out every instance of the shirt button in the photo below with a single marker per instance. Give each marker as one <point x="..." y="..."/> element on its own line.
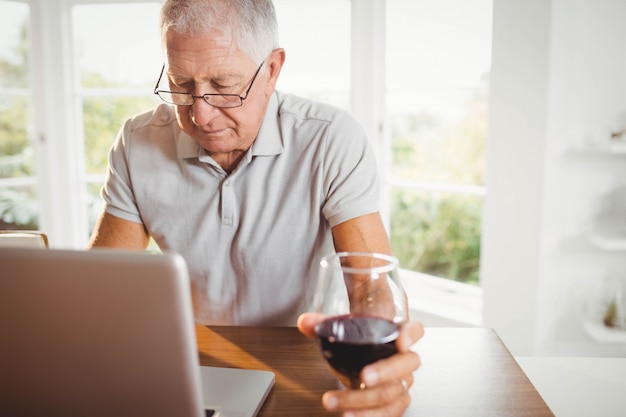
<point x="226" y="183"/>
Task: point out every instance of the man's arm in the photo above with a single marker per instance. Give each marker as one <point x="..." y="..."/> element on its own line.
<point x="113" y="232"/>
<point x="366" y="234"/>
<point x="362" y="234"/>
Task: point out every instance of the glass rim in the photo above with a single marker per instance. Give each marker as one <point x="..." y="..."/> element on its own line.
<point x="392" y="262"/>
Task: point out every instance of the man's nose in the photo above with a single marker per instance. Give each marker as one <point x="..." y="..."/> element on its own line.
<point x="201" y="112"/>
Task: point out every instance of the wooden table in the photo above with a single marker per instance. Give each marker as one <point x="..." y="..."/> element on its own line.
<point x="465" y="372"/>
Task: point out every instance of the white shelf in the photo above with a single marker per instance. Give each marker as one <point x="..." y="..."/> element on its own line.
<point x="606" y="298"/>
<point x="602" y="334"/>
<point x="592" y="320"/>
<point x="616" y="146"/>
<point x="607" y="148"/>
<point x="609" y="243"/>
<point x="609" y="236"/>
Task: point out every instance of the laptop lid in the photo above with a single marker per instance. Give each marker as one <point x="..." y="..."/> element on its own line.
<point x="102" y="333"/>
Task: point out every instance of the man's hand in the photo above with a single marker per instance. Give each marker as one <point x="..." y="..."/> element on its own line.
<point x="386" y="381"/>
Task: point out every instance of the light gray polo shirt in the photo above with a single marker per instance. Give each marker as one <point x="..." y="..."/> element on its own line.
<point x="252" y="239"/>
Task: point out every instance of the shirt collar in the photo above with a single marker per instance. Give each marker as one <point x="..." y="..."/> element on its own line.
<point x="269" y="140"/>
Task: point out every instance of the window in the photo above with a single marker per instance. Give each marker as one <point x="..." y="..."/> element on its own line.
<point x="438" y="62"/>
<point x="415" y="72"/>
<point x="107" y="92"/>
<point x="19" y="208"/>
<point x="317" y="66"/>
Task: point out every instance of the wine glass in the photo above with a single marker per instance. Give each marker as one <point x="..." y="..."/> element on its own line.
<point x="363" y="304"/>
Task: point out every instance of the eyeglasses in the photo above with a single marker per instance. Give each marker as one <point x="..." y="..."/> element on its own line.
<point x="215" y="100"/>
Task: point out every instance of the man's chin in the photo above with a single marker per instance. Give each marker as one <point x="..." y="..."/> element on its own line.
<point x="213" y="144"/>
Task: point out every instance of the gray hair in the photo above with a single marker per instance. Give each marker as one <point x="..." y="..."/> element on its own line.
<point x="251" y="23"/>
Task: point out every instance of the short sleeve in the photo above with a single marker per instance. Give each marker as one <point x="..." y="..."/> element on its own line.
<point x="117" y="191"/>
<point x="350" y="169"/>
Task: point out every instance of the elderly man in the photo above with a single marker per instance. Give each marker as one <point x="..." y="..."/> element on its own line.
<point x="250" y="185"/>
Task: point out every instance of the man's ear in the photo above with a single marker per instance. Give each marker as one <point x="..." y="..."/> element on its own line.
<point x="274" y="63"/>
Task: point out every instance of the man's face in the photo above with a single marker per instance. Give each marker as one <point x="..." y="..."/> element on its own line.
<point x="213" y="64"/>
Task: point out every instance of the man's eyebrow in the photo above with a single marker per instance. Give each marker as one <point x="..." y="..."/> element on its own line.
<point x="230" y="76"/>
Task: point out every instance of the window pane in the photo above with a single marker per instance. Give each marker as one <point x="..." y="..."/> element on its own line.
<point x="16" y="151"/>
<point x="437" y="233"/>
<point x="438" y="63"/>
<point x="427" y="147"/>
<point x="318" y="61"/>
<point x="118" y="57"/>
<point x="94" y="203"/>
<point x="117" y="44"/>
<point x="14" y="44"/>
<point x="102" y="119"/>
<point x="19" y="208"/>
<point x="18" y="189"/>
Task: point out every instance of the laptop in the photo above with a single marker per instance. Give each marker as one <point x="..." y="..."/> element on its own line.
<point x="109" y="333"/>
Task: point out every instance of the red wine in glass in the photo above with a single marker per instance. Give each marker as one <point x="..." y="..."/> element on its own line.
<point x="350" y="342"/>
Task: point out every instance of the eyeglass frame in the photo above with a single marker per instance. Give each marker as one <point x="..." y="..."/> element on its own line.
<point x="206" y="96"/>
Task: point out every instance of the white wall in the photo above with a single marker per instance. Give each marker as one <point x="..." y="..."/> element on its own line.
<point x="558" y="90"/>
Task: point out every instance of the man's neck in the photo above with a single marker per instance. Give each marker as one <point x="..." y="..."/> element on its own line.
<point x="228" y="161"/>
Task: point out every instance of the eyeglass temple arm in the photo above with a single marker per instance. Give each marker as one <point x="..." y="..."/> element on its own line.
<point x="156" y="86"/>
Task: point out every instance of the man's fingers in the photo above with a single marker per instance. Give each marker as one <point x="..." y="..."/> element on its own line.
<point x="410" y="333"/>
<point x="307" y="322"/>
<point x="391" y="369"/>
<point x="390" y="399"/>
